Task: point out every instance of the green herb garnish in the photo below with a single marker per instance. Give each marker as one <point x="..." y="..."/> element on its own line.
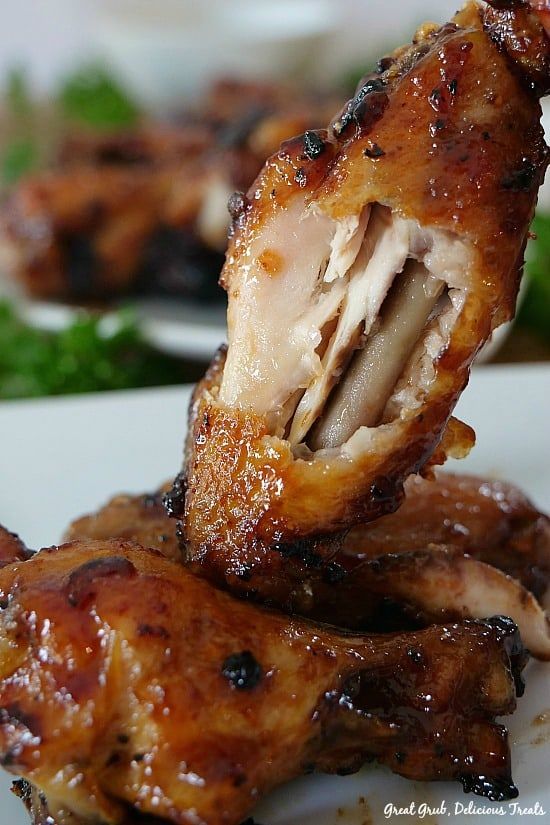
<point x="91" y="354"/>
<point x="92" y="96"/>
<point x="534" y="311"/>
<point x="18" y="96"/>
<point x="19" y="157"/>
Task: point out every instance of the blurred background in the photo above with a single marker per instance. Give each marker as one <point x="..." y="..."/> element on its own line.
<point x="125" y="125"/>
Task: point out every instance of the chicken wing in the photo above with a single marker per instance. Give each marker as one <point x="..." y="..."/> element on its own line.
<point x="491" y="520"/>
<point x="146" y="210"/>
<point x="141" y="518"/>
<point x="458" y="547"/>
<point x="368" y="264"/>
<point x="113" y="659"/>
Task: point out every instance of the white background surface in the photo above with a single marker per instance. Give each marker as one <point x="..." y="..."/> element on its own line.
<point x="51" y="35"/>
<point x="63" y="457"/>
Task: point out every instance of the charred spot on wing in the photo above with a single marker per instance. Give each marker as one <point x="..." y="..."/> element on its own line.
<point x="153" y="631"/>
<point x="242" y="670"/>
<point x="303" y="550"/>
<point x="23" y="789"/>
<point x="374" y="151"/>
<point x="384" y="64"/>
<point x="497" y="790"/>
<point x="80" y="585"/>
<point x="386" y="493"/>
<point x="366" y="108"/>
<point x="174" y="499"/>
<point x="415" y="655"/>
<point x="522" y="178"/>
<point x="301" y="177"/>
<point x="314" y="145"/>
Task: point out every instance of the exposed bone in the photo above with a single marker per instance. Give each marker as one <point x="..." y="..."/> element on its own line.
<point x="383" y="254"/>
<point x="360" y="398"/>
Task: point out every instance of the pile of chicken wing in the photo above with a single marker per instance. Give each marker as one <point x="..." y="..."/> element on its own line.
<point x="310" y="593"/>
<point x="144" y="211"/>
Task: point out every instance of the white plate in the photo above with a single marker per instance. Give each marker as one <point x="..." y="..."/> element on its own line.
<point x="63" y="457"/>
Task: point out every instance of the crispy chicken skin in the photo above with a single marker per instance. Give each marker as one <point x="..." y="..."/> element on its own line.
<point x="458" y="547"/>
<point x="368" y="264"/>
<point x="146" y="210"/>
<point x="114" y="657"/>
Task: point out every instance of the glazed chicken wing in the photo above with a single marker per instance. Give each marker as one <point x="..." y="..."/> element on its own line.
<point x="128" y="685"/>
<point x="368" y="265"/>
<point x="493" y="521"/>
<point x="458" y="547"/>
<point x="146" y="210"/>
<point x="140" y="518"/>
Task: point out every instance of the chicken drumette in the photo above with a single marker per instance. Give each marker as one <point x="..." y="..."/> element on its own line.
<point x="127" y="686"/>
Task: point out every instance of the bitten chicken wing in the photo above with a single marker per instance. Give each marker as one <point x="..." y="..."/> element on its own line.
<point x="368" y="265"/>
<point x="127" y="684"/>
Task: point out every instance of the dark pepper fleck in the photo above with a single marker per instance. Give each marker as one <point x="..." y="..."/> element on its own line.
<point x="153" y="630"/>
<point x="374" y="151"/>
<point x="520" y="180"/>
<point x="415" y="655"/>
<point x="334" y="573"/>
<point x="437" y="126"/>
<point x="453" y="86"/>
<point x="300" y="177"/>
<point x="314" y="145"/>
<point x="434" y="98"/>
<point x="242" y="670"/>
<point x="113" y="759"/>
